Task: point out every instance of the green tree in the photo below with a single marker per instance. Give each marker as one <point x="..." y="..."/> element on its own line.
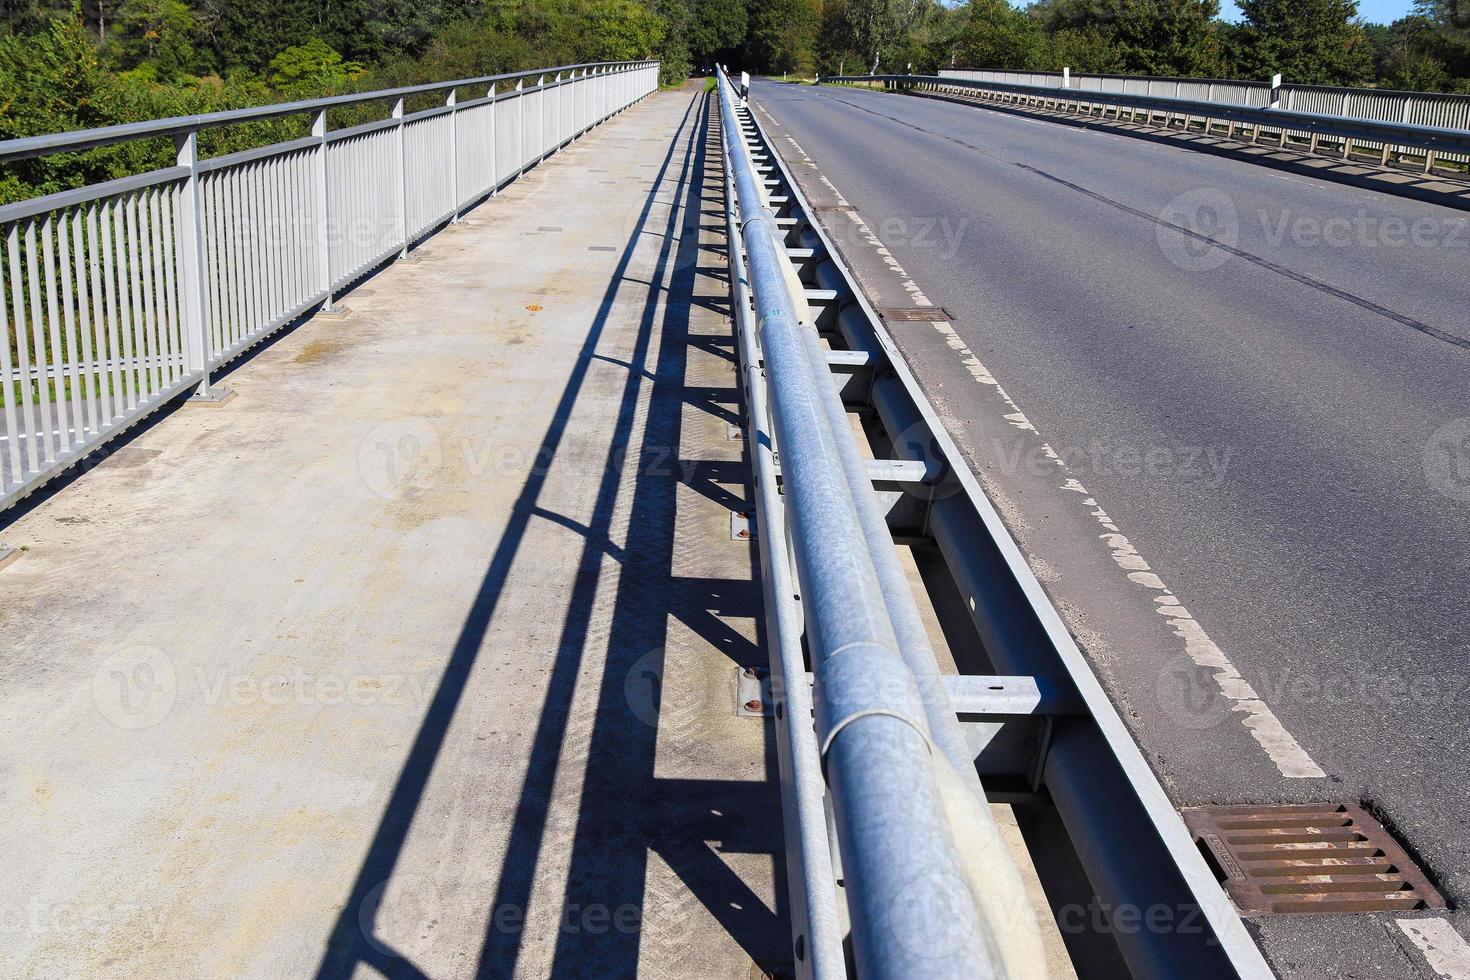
<point x="717" y="28"/>
<point x="674" y="56"/>
<point x="157" y="35"/>
<point x="836" y="48"/>
<point x="1151" y="37"/>
<point x="31" y="16"/>
<point x="1312" y="42"/>
<point x="1085" y="49"/>
<point x="783" y="35"/>
<point x="1447" y="37"/>
<point x="249" y="33"/>
<point x="993" y="34"/>
<point x="880" y="29"/>
<point x="48" y="84"/>
<point x="312" y="67"/>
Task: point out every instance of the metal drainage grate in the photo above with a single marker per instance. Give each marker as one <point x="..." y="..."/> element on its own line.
<point x="923" y="314"/>
<point x="1314" y="858"/>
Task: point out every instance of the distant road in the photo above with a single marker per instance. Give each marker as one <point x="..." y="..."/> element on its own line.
<point x="1261" y="382"/>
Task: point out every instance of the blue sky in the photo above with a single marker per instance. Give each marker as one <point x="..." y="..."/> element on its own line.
<point x="1373" y="11"/>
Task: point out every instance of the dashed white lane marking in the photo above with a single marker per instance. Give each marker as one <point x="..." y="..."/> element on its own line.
<point x="1444" y="949"/>
<point x="1284" y="750"/>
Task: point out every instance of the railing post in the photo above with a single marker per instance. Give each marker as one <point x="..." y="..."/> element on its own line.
<point x="494" y="139"/>
<point x="323" y="194"/>
<point x="541" y="115"/>
<point x="402" y="179"/>
<point x="521" y="156"/>
<point x="573" y="129"/>
<point x="452" y="102"/>
<point x="192" y="281"/>
<point x="556" y="94"/>
<point x="1407" y="115"/>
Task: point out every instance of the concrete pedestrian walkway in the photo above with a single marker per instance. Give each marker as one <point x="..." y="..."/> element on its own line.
<point x="418" y="658"/>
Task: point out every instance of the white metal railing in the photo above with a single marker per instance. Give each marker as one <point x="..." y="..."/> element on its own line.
<point x="118" y="297"/>
<point x="1382" y="105"/>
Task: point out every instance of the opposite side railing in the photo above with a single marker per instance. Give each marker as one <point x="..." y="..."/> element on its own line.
<point x="1447" y="110"/>
<point x="1430" y="141"/>
<point x="119" y="297"/>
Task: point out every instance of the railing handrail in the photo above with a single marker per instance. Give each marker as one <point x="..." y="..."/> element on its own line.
<point x="1414" y="135"/>
<point x="85" y="139"/>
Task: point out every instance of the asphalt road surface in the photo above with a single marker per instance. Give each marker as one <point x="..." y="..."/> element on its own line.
<point x="1259" y="384"/>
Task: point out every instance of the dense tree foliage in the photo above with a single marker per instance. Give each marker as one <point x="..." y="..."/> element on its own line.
<point x="68" y="64"/>
<point x="1308" y="41"/>
<point x="108" y="61"/>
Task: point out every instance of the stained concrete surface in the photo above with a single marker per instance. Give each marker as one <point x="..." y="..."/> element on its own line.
<point x="418" y="657"/>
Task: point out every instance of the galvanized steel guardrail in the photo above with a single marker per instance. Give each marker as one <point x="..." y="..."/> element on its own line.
<point x="913" y="829"/>
<point x="119" y="297"/>
<point x="1431" y="141"/>
<point x="886" y="764"/>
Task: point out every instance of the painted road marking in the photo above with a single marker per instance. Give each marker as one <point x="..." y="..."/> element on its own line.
<point x="1444" y="949"/>
<point x="1284" y="751"/>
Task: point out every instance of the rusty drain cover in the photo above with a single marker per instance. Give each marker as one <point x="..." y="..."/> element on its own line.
<point x="924" y="314"/>
<point x="1315" y="858"/>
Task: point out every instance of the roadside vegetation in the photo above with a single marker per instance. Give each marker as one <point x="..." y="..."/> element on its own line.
<point x="75" y="64"/>
<point x="1309" y="41"/>
<point x="79" y="65"/>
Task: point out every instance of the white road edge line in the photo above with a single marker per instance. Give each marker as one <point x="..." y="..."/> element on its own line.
<point x="1446" y="951"/>
<point x="1284" y="751"/>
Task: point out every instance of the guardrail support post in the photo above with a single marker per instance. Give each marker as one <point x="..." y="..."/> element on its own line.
<point x="402" y="179"/>
<point x="192" y="281"/>
<point x="452" y="102"/>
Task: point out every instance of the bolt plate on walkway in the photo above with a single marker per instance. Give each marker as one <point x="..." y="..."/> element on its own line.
<point x="752" y="692"/>
<point x="920" y="314"/>
<point x="1318" y="859"/>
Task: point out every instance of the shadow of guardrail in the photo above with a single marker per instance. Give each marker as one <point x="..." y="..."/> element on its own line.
<point x="627" y="812"/>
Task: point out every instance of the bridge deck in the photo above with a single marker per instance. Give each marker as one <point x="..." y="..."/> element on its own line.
<point x="420" y="653"/>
